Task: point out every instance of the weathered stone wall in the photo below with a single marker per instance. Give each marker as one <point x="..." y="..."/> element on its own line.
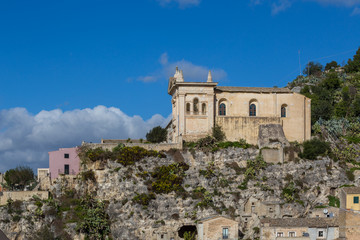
<point x="273" y="155"/>
<point x="22" y="195"/>
<point x="349" y="222"/>
<point x="272" y="135"/>
<point x="148" y="146"/>
<point x="244" y="127"/>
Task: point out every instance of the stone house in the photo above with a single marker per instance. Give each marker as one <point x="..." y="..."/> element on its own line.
<point x="349" y="198"/>
<point x="299" y="228"/>
<point x="198" y="106"/>
<point x="64" y="161"/>
<point x="217" y="227"/>
<point x="269" y="208"/>
<point x="349" y="214"/>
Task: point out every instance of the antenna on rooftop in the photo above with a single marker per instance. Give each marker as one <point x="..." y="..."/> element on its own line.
<point x="299" y="63"/>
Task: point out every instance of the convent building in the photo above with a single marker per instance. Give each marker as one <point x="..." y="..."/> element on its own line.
<point x="240" y="111"/>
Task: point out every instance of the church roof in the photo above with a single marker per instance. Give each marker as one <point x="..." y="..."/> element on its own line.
<point x="254" y="89"/>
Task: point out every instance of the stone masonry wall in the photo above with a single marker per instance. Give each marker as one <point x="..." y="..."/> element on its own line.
<point x="22" y="196"/>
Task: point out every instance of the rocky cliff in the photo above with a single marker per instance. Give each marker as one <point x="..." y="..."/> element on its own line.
<point x="159" y="194"/>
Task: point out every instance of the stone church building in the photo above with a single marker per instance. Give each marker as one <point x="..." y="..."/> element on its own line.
<point x="240" y="111"/>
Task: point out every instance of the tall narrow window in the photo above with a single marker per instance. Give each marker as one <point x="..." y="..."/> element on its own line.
<point x="222" y="109"/>
<point x="356" y="199"/>
<point x="66" y="169"/>
<point x="203" y="108"/>
<point x="252" y="110"/>
<point x="188" y="108"/>
<point x="196" y="106"/>
<point x="225" y="233"/>
<point x="283" y="110"/>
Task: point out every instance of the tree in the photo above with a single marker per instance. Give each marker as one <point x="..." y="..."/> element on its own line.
<point x="331" y="82"/>
<point x="157" y="135"/>
<point x="331" y="65"/>
<point x="313" y="68"/>
<point x="19" y="177"/>
<point x="218" y="133"/>
<point x="354" y="64"/>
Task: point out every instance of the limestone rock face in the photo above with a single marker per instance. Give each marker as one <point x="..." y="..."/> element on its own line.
<point x="272" y="135"/>
<point x="212" y="186"/>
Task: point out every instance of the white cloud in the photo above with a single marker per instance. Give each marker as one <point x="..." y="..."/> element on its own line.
<point x="191" y="71"/>
<point x="280" y="6"/>
<point x="346" y="3"/>
<point x="26" y="139"/>
<point x="182" y="3"/>
<point x="356" y="11"/>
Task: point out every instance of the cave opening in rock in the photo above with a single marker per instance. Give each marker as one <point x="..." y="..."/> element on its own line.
<point x="187" y="228"/>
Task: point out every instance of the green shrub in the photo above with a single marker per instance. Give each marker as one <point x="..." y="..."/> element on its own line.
<point x="189" y="236"/>
<point x="240" y="144"/>
<point x="333" y="201"/>
<point x="314" y="148"/>
<point x="95" y="223"/>
<point x="290" y="192"/>
<point x="88" y="175"/>
<point x="256" y="230"/>
<point x="156" y="135"/>
<point x="130" y="155"/>
<point x="143" y="198"/>
<point x="350" y="175"/>
<point x="169" y="178"/>
<point x="217" y="133"/>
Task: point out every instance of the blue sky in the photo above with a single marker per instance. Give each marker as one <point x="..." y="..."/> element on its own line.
<point x="86" y="70"/>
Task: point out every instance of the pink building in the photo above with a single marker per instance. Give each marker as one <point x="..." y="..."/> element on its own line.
<point x="64" y="161"/>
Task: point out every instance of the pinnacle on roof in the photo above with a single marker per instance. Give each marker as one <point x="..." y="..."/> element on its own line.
<point x="209" y="79"/>
<point x="179" y="75"/>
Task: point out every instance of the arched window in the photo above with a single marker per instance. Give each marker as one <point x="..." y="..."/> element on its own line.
<point x="188" y="108"/>
<point x="196" y="106"/>
<point x="252" y="110"/>
<point x="283" y="110"/>
<point x="203" y="108"/>
<point x="222" y="109"/>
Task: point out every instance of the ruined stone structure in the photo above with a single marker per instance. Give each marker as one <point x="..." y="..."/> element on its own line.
<point x="198" y="106"/>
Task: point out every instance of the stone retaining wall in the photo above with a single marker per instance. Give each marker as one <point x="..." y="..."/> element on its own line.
<point x="147" y="146"/>
<point x="22" y="196"/>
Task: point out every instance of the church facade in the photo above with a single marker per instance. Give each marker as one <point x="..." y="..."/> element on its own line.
<point x="240" y="111"/>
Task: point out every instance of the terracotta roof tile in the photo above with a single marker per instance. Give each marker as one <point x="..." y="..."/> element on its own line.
<point x="254" y="89"/>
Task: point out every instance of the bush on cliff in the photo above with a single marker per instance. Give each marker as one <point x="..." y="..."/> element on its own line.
<point x="314" y="147"/>
<point x="169" y="178"/>
<point x="124" y="155"/>
<point x="157" y="135"/>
